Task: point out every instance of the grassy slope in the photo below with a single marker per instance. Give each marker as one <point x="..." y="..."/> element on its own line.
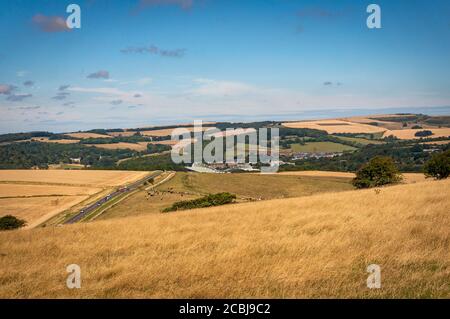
<point x="317" y="246"/>
<point x="185" y="186"/>
<point x="321" y="147"/>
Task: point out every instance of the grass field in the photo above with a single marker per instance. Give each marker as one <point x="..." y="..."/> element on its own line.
<point x="359" y="140"/>
<point x="408" y="178"/>
<point x="247" y="187"/>
<point x="39" y="195"/>
<point x="336" y="126"/>
<point x="317" y="246"/>
<point x="328" y="147"/>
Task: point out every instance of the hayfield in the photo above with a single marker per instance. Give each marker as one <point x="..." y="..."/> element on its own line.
<point x="122" y="145"/>
<point x="38" y="195"/>
<point x="87" y="135"/>
<point x="317" y="246"/>
<point x="60" y="141"/>
<point x="166" y="132"/>
<point x="336" y="126"/>
<point x="73" y="177"/>
<point x="409" y="134"/>
<point x="36" y="210"/>
<point x="23" y="190"/>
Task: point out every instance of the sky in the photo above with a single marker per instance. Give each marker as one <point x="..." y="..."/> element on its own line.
<point x="148" y="62"/>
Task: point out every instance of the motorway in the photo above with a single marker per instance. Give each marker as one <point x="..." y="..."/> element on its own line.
<point x="123" y="190"/>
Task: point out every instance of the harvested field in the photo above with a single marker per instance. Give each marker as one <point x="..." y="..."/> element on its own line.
<point x="47" y="140"/>
<point x="87" y="135"/>
<point x="409" y="134"/>
<point x="336" y="126"/>
<point x="73" y="177"/>
<point x="23" y="190"/>
<point x="115" y="146"/>
<point x="166" y="132"/>
<point x="124" y="134"/>
<point x="36" y="210"/>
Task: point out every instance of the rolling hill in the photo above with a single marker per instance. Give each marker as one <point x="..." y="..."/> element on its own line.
<point x="316" y="246"/>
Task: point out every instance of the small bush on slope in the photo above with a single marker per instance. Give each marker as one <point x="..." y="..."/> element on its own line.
<point x="438" y="166"/>
<point x="10" y="222"/>
<point x="378" y="172"/>
<point x="206" y="201"/>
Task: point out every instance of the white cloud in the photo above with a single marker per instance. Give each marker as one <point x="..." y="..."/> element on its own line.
<point x="209" y="87"/>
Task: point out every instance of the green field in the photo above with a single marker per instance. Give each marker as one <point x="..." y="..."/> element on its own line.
<point x="329" y="147"/>
<point x="247" y="187"/>
<point x="359" y="140"/>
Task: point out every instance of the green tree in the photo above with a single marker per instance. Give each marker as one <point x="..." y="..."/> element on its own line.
<point x="438" y="166"/>
<point x="10" y="222"/>
<point x="379" y="171"/>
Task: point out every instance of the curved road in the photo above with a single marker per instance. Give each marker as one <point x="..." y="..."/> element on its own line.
<point x="123" y="190"/>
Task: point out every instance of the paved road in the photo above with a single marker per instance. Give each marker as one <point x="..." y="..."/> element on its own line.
<point x="126" y="189"/>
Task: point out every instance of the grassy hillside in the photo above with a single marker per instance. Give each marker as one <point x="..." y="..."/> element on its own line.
<point x="329" y="147"/>
<point x="317" y="246"/>
<point x="247" y="187"/>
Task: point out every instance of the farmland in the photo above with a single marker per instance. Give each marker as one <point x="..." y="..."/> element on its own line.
<point x="132" y="146"/>
<point x="336" y="126"/>
<point x="38" y="195"/>
<point x="409" y="134"/>
<point x="83" y="135"/>
<point x="71" y="177"/>
<point x="316" y="246"/>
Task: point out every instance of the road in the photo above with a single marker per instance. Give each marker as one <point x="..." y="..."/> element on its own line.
<point x="123" y="190"/>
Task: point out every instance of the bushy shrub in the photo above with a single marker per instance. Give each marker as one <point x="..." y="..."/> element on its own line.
<point x="10" y="222"/>
<point x="379" y="171"/>
<point x="206" y="201"/>
<point x="438" y="166"/>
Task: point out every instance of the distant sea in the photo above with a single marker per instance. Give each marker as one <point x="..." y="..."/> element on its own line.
<point x="324" y="114"/>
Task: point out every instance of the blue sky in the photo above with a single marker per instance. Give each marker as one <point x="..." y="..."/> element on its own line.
<point x="143" y="62"/>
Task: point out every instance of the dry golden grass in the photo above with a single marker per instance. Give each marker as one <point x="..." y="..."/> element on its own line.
<point x="36" y="210"/>
<point x="114" y="146"/>
<point x="47" y="140"/>
<point x="317" y="246"/>
<point x="87" y="135"/>
<point x="437" y="142"/>
<point x="408" y="178"/>
<point x="73" y="177"/>
<point x="319" y="174"/>
<point x="409" y="134"/>
<point x="336" y="126"/>
<point x="125" y="134"/>
<point x="22" y="190"/>
<point x="167" y="142"/>
<point x="165" y="132"/>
